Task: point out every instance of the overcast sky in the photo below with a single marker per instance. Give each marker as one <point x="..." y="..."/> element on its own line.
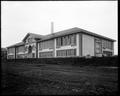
<point x="20" y="17"/>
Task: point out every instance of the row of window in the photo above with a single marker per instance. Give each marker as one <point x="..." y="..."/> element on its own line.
<point x="106" y="53"/>
<point x="46" y="44"/>
<point x="69" y="52"/>
<point x="20" y="49"/>
<point x="45" y="54"/>
<point x="20" y="56"/>
<point x="98" y="46"/>
<point x="66" y="40"/>
<point x="11" y="50"/>
<point x="11" y="56"/>
<point x="107" y="44"/>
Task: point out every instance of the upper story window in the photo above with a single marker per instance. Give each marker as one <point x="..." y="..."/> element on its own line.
<point x="20" y="49"/>
<point x="107" y="44"/>
<point x="11" y="50"/>
<point x="66" y="40"/>
<point x="46" y="44"/>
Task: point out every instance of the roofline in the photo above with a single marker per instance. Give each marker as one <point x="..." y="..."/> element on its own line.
<point x="97" y="35"/>
<point x="15" y="45"/>
<point x="52" y="36"/>
<point x="81" y="31"/>
<point x="25" y="37"/>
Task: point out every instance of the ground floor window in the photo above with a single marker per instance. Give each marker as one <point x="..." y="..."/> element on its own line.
<point x="33" y="55"/>
<point x="20" y="56"/>
<point x="10" y="56"/>
<point x="69" y="52"/>
<point x="45" y="54"/>
<point x="107" y="53"/>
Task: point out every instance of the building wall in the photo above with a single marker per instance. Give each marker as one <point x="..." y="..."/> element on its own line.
<point x="77" y="44"/>
<point x="11" y="53"/>
<point x="20" y="51"/>
<point x="66" y="46"/>
<point x="46" y="49"/>
<point x="87" y="45"/>
<point x="3" y="53"/>
<point x="98" y="47"/>
<point x="107" y="47"/>
<point x="31" y="54"/>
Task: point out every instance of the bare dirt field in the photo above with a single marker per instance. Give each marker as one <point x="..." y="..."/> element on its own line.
<point x="50" y="79"/>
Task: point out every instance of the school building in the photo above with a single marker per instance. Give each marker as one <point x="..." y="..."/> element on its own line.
<point x="74" y="42"/>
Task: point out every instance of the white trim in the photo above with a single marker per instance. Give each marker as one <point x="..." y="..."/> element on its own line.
<point x="66" y="47"/>
<point x="77" y="43"/>
<point x="108" y="50"/>
<point x="38" y="49"/>
<point x="55" y="48"/>
<point x="45" y="50"/>
<point x="11" y="54"/>
<point x="21" y="53"/>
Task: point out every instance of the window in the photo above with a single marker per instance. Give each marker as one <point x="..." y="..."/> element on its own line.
<point x="98" y="46"/>
<point x="45" y="54"/>
<point x="107" y="44"/>
<point x="107" y="53"/>
<point x="46" y="44"/>
<point x="69" y="52"/>
<point x="33" y="55"/>
<point x="66" y="40"/>
<point x="11" y="50"/>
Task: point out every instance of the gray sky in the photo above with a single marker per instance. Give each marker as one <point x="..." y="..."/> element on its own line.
<point x="20" y="17"/>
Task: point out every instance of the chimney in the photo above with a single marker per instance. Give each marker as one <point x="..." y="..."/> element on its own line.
<point x="52" y="28"/>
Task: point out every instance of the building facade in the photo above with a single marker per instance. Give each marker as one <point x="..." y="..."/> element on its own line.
<point x="3" y="53"/>
<point x="74" y="42"/>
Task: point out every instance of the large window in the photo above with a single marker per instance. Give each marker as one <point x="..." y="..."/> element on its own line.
<point x="107" y="44"/>
<point x="11" y="56"/>
<point x="46" y="44"/>
<point x="106" y="53"/>
<point x="11" y="50"/>
<point x="19" y="56"/>
<point x="69" y="52"/>
<point x="66" y="40"/>
<point x="45" y="54"/>
<point x="98" y="46"/>
<point x="20" y="49"/>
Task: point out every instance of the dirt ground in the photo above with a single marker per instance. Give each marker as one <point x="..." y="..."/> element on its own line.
<point x="45" y="79"/>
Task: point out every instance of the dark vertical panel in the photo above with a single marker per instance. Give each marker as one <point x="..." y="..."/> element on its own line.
<point x="15" y="52"/>
<point x="113" y="48"/>
<point x="94" y="47"/>
<point x="36" y="49"/>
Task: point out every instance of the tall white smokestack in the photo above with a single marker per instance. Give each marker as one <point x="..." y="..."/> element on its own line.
<point x="52" y="28"/>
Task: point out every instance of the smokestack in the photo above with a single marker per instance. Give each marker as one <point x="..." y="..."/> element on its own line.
<point x="52" y="28"/>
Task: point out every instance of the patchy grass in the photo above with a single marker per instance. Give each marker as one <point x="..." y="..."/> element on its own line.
<point x="44" y="79"/>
